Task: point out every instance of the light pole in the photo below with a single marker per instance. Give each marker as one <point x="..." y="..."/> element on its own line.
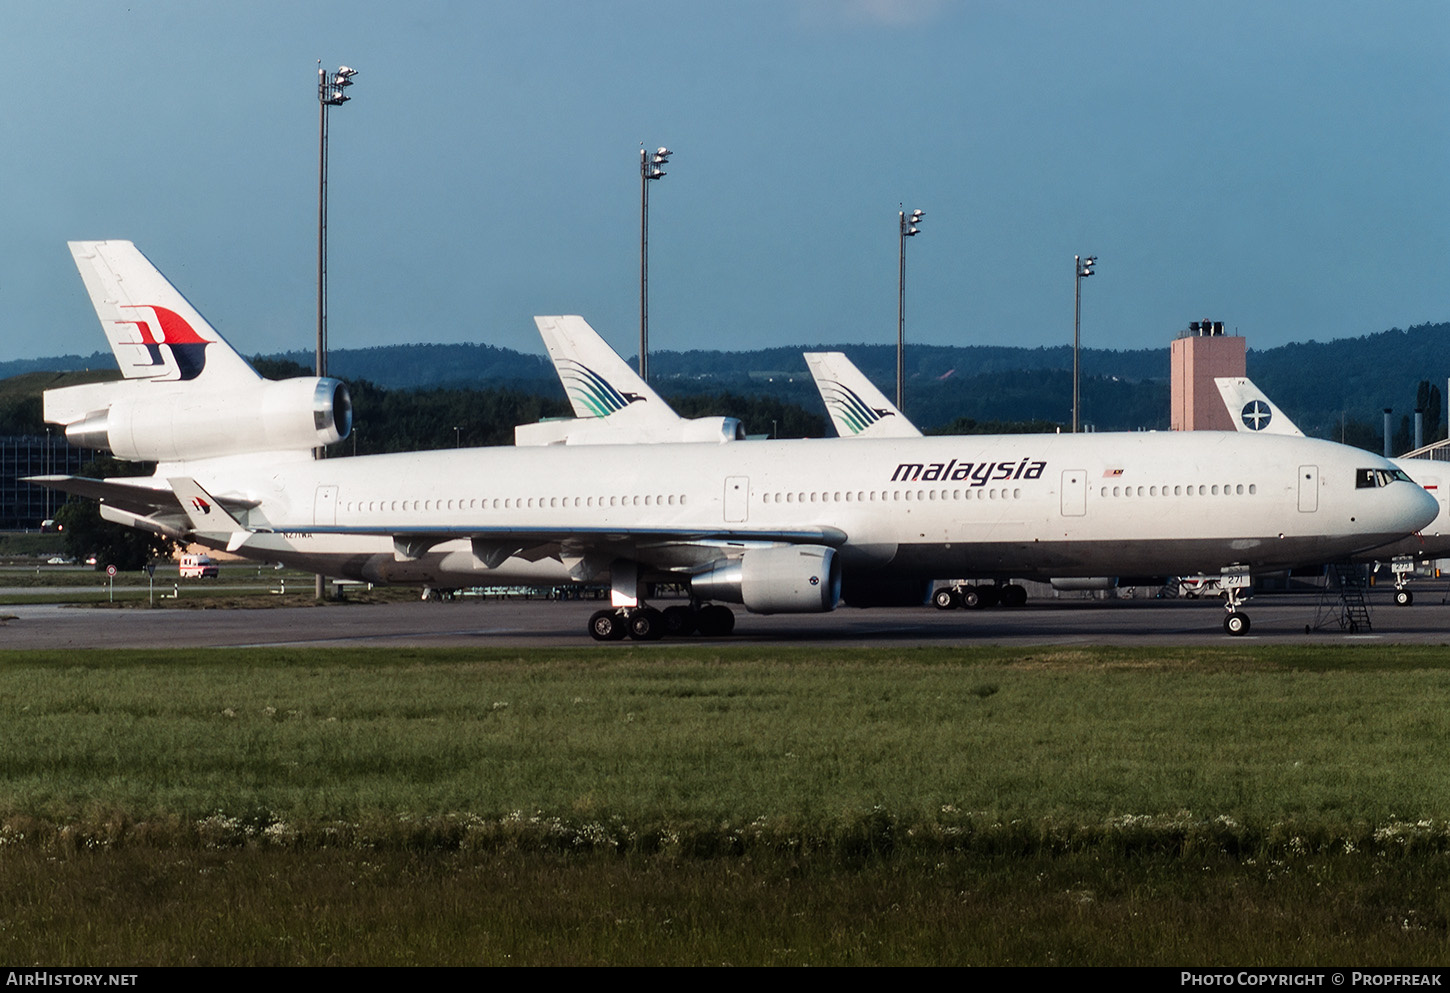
<point x="907" y="224"/>
<point x="1081" y="268"/>
<point x="331" y="92"/>
<point x="651" y="167"/>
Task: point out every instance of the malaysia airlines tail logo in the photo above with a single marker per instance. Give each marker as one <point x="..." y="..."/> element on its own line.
<point x="201" y="505"/>
<point x="847" y="407"/>
<point x="591" y="390"/>
<point x="174" y="349"/>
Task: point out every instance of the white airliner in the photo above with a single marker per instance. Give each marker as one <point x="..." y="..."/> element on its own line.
<point x="778" y="526"/>
<point x="1254" y="413"/>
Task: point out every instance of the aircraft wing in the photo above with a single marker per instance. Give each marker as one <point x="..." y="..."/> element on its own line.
<point x="131" y="493"/>
<point x="588" y="551"/>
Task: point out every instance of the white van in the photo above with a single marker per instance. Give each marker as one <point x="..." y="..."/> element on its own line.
<point x="198" y="567"/>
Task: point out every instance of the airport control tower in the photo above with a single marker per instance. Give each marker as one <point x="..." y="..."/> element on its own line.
<point x="1200" y="355"/>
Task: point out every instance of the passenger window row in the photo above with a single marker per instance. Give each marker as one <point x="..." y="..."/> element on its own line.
<point x="512" y="503"/>
<point x="1227" y="489"/>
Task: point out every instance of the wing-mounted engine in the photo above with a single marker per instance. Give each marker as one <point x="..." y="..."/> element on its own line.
<point x="785" y="579"/>
<point x="144" y="421"/>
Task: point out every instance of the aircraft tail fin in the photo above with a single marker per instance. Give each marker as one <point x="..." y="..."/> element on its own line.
<point x="154" y="332"/>
<point x="857" y="408"/>
<point x="596" y="379"/>
<point x="1251" y="409"/>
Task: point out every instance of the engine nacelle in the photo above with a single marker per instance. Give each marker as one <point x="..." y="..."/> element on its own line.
<point x="867" y="590"/>
<point x="790" y="579"/>
<point x="712" y="429"/>
<point x="155" y="424"/>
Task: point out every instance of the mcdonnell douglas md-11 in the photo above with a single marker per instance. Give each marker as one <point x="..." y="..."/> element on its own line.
<point x="776" y="526"/>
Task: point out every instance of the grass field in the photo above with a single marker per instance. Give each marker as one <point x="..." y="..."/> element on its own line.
<point x="683" y="805"/>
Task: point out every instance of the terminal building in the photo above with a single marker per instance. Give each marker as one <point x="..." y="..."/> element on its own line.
<point x="24" y="506"/>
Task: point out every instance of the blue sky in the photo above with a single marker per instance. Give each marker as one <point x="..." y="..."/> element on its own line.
<point x="1282" y="167"/>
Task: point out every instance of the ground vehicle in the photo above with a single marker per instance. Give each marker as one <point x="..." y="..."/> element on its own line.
<point x="198" y="567"/>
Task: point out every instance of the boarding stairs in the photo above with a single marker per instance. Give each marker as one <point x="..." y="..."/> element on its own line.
<point x="1342" y="601"/>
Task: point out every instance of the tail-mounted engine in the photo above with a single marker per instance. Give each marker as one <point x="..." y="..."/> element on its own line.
<point x="144" y="422"/>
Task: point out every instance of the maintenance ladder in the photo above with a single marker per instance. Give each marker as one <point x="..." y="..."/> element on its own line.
<point x="1346" y="606"/>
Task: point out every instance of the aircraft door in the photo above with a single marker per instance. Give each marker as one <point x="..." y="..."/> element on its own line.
<point x="1074" y="492"/>
<point x="324" y="508"/>
<point x="1308" y="488"/>
<point x="737" y="499"/>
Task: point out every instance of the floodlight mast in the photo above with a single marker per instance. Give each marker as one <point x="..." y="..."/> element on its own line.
<point x="331" y="92"/>
<point x="1082" y="268"/>
<point x="907" y="229"/>
<point x="651" y="167"/>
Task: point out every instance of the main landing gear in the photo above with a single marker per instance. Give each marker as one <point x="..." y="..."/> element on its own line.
<point x="648" y="624"/>
<point x="979" y="597"/>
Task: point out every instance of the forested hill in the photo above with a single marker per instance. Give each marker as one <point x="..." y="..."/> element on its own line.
<point x="1323" y="386"/>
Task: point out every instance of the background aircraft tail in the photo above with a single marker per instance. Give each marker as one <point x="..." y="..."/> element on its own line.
<point x="596" y="379"/>
<point x="857" y="408"/>
<point x="1252" y="411"/>
<point x="612" y="404"/>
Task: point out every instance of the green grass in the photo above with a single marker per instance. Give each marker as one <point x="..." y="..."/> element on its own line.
<point x="667" y="804"/>
<point x="667" y="734"/>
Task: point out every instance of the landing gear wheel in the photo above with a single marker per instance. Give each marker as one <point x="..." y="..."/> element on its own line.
<point x="606" y="625"/>
<point x="1236" y="624"/>
<point x="945" y="599"/>
<point x="972" y="598"/>
<point x="991" y="595"/>
<point x="715" y="621"/>
<point x="1014" y="595"/>
<point x="1403" y="598"/>
<point x="678" y="621"/>
<point x="646" y="624"/>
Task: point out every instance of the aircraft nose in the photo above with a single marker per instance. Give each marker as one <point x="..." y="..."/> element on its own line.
<point x="1417" y="506"/>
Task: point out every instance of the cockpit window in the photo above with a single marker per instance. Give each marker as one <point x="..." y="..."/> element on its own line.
<point x="1369" y="478"/>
